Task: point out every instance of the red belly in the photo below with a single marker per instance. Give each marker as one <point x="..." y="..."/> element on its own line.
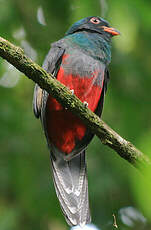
<point x="64" y="128"/>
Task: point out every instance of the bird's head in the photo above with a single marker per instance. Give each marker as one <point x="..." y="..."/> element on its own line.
<point x="93" y="24"/>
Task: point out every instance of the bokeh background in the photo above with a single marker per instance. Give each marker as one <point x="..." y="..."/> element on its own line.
<point x="27" y="196"/>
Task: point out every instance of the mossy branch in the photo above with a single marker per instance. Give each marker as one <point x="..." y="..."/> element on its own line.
<point x="15" y="55"/>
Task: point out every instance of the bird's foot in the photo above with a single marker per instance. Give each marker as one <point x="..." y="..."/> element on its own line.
<point x="85" y="103"/>
<point x="72" y="91"/>
<point x="53" y="74"/>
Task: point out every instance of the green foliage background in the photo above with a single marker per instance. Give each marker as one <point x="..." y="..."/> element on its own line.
<point x="27" y="197"/>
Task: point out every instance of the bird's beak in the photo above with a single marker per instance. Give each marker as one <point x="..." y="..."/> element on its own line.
<point x="110" y="30"/>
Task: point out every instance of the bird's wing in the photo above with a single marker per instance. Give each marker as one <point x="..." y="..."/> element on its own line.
<point x="106" y="79"/>
<point x="37" y="100"/>
<point x="51" y="64"/>
<point x="99" y="108"/>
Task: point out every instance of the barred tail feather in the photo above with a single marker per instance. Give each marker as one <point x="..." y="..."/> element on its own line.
<point x="70" y="180"/>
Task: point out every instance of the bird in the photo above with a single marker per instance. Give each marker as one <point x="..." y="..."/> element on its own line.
<point x="80" y="61"/>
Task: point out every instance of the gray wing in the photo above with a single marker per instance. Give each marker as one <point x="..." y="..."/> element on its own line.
<point x="99" y="108"/>
<point x="37" y="100"/>
<point x="51" y="65"/>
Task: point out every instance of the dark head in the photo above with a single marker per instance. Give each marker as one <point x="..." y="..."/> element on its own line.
<point x="93" y="24"/>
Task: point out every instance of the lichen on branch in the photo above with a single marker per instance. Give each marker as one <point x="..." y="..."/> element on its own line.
<point x="15" y="55"/>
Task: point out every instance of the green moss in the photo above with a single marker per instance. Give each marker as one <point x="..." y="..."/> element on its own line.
<point x="15" y="55"/>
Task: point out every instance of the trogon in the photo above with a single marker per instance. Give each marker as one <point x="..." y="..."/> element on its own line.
<point x="80" y="62"/>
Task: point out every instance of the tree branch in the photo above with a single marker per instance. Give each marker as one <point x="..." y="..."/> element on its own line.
<point x="15" y="55"/>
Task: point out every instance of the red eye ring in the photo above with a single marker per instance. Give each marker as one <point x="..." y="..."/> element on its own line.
<point x="95" y="20"/>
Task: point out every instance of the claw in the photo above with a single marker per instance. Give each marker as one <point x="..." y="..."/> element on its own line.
<point x="85" y="103"/>
<point x="72" y="91"/>
<point x="53" y="74"/>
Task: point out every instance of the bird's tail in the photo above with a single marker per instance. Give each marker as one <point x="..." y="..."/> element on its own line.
<point x="70" y="180"/>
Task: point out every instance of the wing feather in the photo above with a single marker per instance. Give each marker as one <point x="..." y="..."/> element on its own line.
<point x="51" y="65"/>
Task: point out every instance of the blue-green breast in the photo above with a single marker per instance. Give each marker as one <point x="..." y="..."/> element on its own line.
<point x="92" y="44"/>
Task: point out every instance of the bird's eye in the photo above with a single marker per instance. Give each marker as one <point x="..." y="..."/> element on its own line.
<point x="95" y="20"/>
